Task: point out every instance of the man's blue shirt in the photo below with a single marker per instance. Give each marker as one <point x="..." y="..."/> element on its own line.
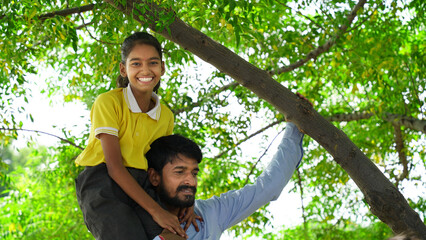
<point x="221" y="213"/>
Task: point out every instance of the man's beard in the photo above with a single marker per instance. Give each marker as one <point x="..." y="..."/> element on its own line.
<point x="175" y="201"/>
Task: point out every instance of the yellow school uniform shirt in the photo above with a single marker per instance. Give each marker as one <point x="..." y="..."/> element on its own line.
<point x="117" y="113"/>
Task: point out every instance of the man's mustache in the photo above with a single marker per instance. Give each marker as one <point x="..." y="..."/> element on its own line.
<point x="184" y="187"/>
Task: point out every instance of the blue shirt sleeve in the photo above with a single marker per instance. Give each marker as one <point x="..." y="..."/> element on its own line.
<point x="221" y="213"/>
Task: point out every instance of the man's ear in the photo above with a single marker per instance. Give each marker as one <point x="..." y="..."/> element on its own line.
<point x="154" y="177"/>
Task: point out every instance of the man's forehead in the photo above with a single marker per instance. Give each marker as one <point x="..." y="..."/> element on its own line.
<point x="182" y="161"/>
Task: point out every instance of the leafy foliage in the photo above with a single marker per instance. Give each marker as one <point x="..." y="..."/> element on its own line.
<point x="376" y="67"/>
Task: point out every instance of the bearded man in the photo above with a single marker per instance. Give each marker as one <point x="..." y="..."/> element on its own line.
<point x="173" y="169"/>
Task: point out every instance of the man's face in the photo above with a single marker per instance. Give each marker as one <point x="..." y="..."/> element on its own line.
<point x="178" y="183"/>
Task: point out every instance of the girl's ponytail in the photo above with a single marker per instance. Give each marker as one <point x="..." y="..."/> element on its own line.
<point x="122" y="82"/>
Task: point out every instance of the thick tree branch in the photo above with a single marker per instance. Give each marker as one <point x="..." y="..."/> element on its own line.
<point x="401" y="154"/>
<point x="325" y="47"/>
<point x="45" y="133"/>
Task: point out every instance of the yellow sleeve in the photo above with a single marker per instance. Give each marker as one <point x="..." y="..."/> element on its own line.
<point x="105" y="115"/>
<point x="171" y="125"/>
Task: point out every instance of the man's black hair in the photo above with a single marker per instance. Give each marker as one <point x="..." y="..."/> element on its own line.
<point x="166" y="149"/>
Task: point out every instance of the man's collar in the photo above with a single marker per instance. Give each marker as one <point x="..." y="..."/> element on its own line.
<point x="154" y="113"/>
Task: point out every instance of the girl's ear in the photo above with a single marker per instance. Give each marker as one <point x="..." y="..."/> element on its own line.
<point x="123" y="72"/>
<point x="163" y="68"/>
<point x="154" y="177"/>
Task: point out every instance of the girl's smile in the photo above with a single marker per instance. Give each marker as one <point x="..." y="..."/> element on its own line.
<point x="143" y="68"/>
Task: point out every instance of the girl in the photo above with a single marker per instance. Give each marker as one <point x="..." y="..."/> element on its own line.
<point x="113" y="191"/>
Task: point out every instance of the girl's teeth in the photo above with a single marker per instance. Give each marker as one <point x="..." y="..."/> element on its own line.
<point x="144" y="79"/>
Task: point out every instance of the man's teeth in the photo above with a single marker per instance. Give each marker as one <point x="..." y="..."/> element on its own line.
<point x="144" y="79"/>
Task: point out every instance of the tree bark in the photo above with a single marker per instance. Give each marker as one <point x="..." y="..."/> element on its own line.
<point x="385" y="201"/>
<point x="409" y="122"/>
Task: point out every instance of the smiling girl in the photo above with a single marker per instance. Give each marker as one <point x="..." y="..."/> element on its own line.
<point x="113" y="190"/>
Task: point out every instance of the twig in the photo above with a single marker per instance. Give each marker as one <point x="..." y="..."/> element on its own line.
<point x="68" y="11"/>
<point x="260" y="158"/>
<point x="90" y="34"/>
<point x="64" y="12"/>
<point x="84" y="25"/>
<point x="363" y="21"/>
<point x="305" y="222"/>
<point x="197" y="104"/>
<point x="323" y="48"/>
<point x="45" y="133"/>
<point x="249" y="137"/>
<point x="304" y="16"/>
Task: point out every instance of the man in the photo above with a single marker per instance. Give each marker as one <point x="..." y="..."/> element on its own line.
<point x="173" y="168"/>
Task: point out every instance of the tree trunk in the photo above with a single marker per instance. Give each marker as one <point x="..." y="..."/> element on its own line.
<point x="385" y="201"/>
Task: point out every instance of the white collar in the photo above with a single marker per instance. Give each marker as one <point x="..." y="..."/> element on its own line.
<point x="154" y="113"/>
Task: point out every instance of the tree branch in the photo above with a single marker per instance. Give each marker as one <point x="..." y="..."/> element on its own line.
<point x="90" y="34"/>
<point x="64" y="12"/>
<point x="204" y="99"/>
<point x="401" y="154"/>
<point x="304" y="16"/>
<point x="366" y="18"/>
<point x="409" y="122"/>
<point x="325" y="47"/>
<point x="305" y="221"/>
<point x="68" y="11"/>
<point x="401" y="120"/>
<point x="45" y="133"/>
<point x="347" y="117"/>
<point x="261" y="156"/>
<point x="249" y="137"/>
<point x="340" y="118"/>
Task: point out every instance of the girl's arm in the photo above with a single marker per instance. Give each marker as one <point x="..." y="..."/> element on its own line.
<point x="117" y="171"/>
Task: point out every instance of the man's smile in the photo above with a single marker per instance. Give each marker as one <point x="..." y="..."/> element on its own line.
<point x="186" y="189"/>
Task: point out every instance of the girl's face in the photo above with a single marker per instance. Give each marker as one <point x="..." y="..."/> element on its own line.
<point x="144" y="69"/>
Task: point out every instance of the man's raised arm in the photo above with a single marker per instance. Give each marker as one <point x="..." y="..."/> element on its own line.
<point x="222" y="212"/>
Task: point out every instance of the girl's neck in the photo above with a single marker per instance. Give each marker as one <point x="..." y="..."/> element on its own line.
<point x="144" y="100"/>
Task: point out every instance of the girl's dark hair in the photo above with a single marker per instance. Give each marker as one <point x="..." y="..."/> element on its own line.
<point x="129" y="43"/>
<point x="167" y="148"/>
